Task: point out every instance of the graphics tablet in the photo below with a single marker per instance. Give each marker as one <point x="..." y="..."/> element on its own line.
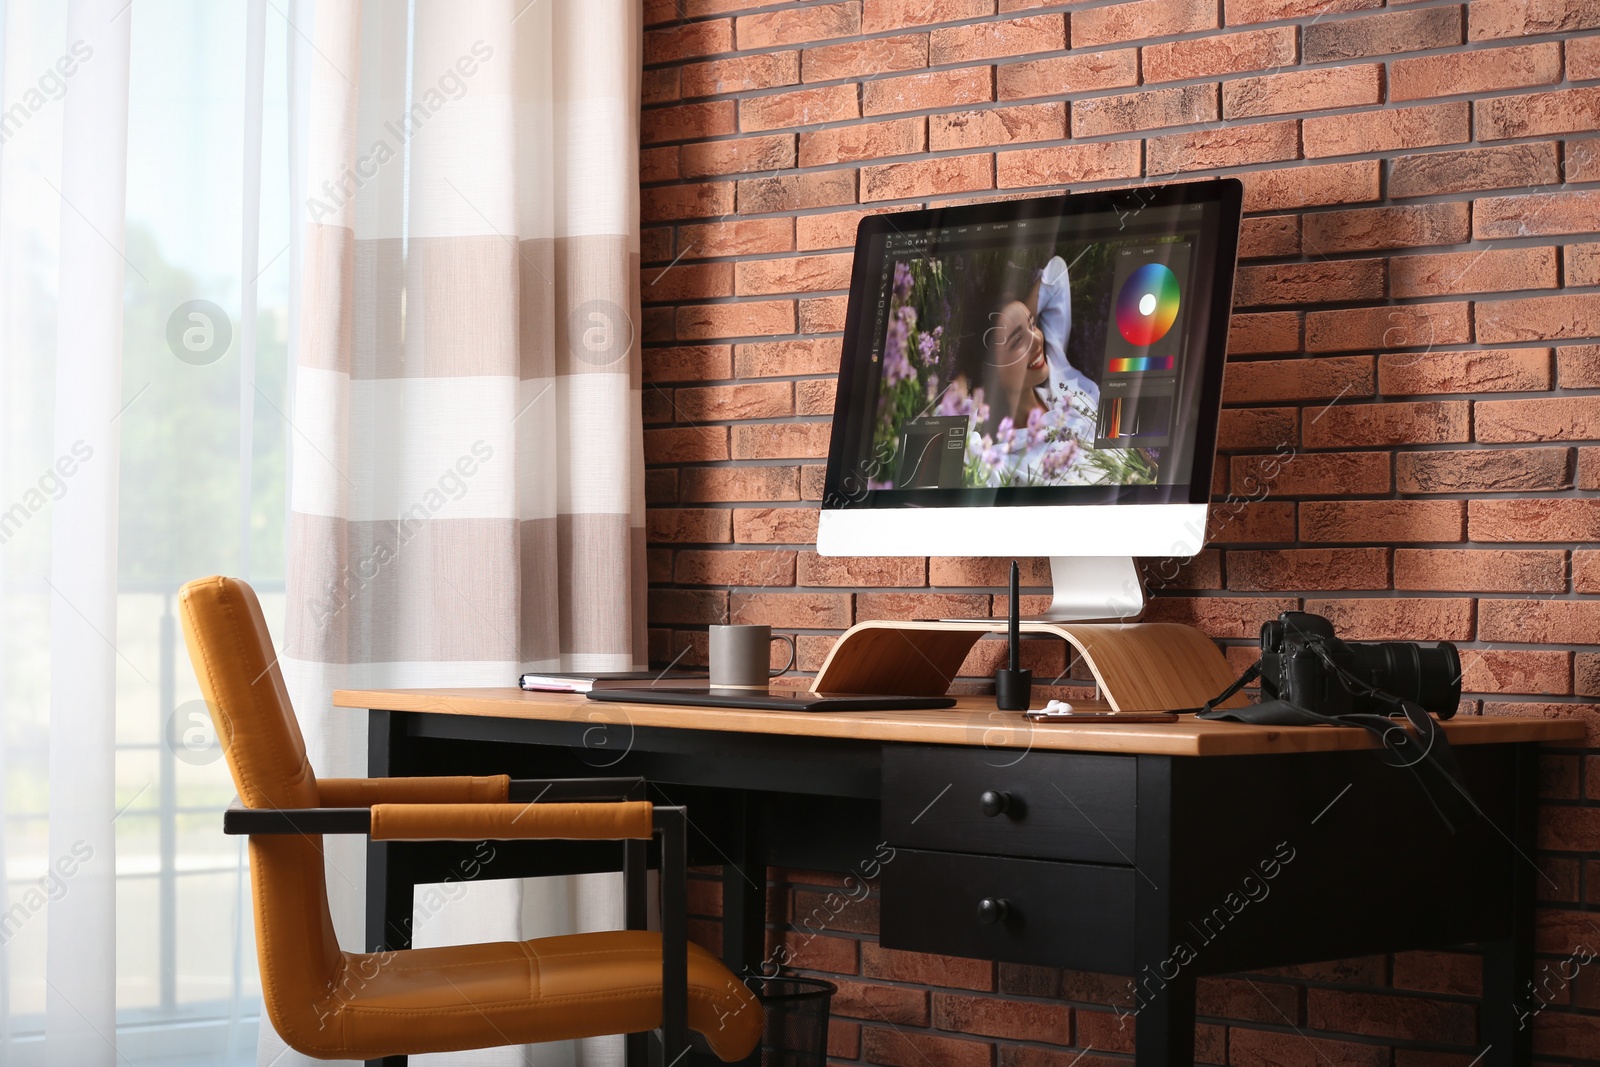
<point x="770" y="700"/>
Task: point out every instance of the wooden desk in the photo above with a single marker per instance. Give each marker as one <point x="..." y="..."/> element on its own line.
<point x="1162" y="852"/>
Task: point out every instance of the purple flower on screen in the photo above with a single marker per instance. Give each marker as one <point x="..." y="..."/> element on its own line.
<point x="896" y="366"/>
<point x="902" y="280"/>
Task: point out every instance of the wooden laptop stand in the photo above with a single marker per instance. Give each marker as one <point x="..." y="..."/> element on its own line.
<point x="1139" y="666"/>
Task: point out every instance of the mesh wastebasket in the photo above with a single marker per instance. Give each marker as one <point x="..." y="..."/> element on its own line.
<point x="795" y="1033"/>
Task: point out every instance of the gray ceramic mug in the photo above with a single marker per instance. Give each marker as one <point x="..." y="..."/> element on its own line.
<point x="741" y="656"/>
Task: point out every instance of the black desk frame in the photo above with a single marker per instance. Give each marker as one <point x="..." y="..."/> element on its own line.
<point x="1374" y="870"/>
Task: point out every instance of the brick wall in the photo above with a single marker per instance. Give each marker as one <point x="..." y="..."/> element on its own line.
<point x="1418" y="308"/>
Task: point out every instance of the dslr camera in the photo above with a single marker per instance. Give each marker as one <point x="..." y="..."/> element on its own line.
<point x="1303" y="663"/>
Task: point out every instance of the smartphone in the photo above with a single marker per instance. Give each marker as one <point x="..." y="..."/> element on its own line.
<point x="1041" y="715"/>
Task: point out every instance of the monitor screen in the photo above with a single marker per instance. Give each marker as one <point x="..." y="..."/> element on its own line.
<point x="1066" y="349"/>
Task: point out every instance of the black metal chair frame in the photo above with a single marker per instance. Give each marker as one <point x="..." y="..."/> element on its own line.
<point x="670" y="825"/>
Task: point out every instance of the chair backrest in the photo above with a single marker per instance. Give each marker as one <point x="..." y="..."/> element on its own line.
<point x="234" y="660"/>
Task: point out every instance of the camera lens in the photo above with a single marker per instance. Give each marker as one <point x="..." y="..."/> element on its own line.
<point x="1430" y="677"/>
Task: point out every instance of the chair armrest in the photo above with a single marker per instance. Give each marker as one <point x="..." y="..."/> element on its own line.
<point x="459" y="789"/>
<point x="595" y="821"/>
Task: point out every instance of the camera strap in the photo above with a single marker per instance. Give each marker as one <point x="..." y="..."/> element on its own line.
<point x="1415" y="743"/>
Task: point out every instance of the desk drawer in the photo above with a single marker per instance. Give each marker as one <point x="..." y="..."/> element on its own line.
<point x="1045" y="805"/>
<point x="1073" y="915"/>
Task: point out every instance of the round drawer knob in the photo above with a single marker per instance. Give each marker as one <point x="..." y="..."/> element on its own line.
<point x="992" y="910"/>
<point x="994" y="802"/>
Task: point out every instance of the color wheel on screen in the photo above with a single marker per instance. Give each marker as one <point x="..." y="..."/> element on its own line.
<point x="1148" y="304"/>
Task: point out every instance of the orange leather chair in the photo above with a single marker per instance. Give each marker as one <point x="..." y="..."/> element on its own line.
<point x="333" y="1004"/>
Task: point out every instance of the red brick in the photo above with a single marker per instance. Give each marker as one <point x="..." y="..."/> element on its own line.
<point x="783" y="440"/>
<point x="943" y="174"/>
<point x="715" y="484"/>
<point x="879" y="15"/>
<point x="1260" y="381"/>
<point x="1220" y="617"/>
<point x="1311" y="474"/>
<point x="1270" y="331"/>
<point x="997" y="126"/>
<point x="1387" y="130"/>
<point x="1457" y="973"/>
<point x="687" y="281"/>
<point x="985" y="571"/>
<point x="1238" y="998"/>
<point x="1583" y="58"/>
<point x="1079" y="72"/>
<point x="736" y="237"/>
<point x="775" y="525"/>
<point x="1272" y="235"/>
<point x="734" y="567"/>
<point x="1326" y="281"/>
<point x="801" y="107"/>
<point x="796" y="192"/>
<point x="1233" y="53"/>
<point x="1366" y="229"/>
<point x="659" y="86"/>
<point x="1391" y="423"/>
<point x="921" y="606"/>
<point x="1141" y="19"/>
<point x="822" y="314"/>
<point x="923" y="969"/>
<point x="804" y="25"/>
<point x="1271" y="1048"/>
<point x="685" y="122"/>
<point x="1486" y="570"/>
<point x="1488" y="271"/>
<point x="1308" y="186"/>
<point x="792" y="274"/>
<point x="1405" y="326"/>
<point x="1469" y="170"/>
<point x="772" y="359"/>
<point x="1146" y="110"/>
<point x="1398" y="618"/>
<point x="1578" y="366"/>
<point x="879" y="1002"/>
<point x="1586" y="682"/>
<point x="1489" y="371"/>
<point x="1381" y="35"/>
<point x="685" y="201"/>
<point x="660" y="487"/>
<point x="658" y="164"/>
<point x="1269" y="570"/>
<point x="1582" y="264"/>
<point x="899" y="1048"/>
<point x="688" y="39"/>
<point x="1225" y="146"/>
<point x="866" y="140"/>
<point x="1484" y="470"/>
<point x="993" y="1017"/>
<point x="1537" y="318"/>
<point x="1555" y="622"/>
<point x="916" y="92"/>
<point x="687" y="444"/>
<point x="1303" y="90"/>
<point x="688" y="364"/>
<point x="1516" y="671"/>
<point x="735" y="320"/>
<point x="1563" y="519"/>
<point x="990" y="40"/>
<point x="768" y="70"/>
<point x="834" y="229"/>
<point x="1388" y="521"/>
<point x="1540" y="213"/>
<point x="851" y="571"/>
<point x="655" y="244"/>
<point x="767" y="400"/>
<point x="855" y="59"/>
<point x="808" y="611"/>
<point x="1241" y="429"/>
<point x="1537" y="114"/>
<point x="688" y="607"/>
<point x="687" y="525"/>
<point x="1062" y="164"/>
<point x="1480" y="70"/>
<point x="815" y="396"/>
<point x="1582" y="163"/>
<point x="1239" y="12"/>
<point x="738" y="156"/>
<point x="1488" y="19"/>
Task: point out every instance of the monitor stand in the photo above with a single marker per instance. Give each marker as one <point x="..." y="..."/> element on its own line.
<point x="1093" y="589"/>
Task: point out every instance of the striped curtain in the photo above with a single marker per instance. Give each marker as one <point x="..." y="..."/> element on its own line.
<point x="466" y="490"/>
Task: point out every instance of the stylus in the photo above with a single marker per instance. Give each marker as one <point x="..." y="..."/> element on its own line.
<point x="1014" y="622"/>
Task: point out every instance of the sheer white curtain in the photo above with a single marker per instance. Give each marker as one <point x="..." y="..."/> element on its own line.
<point x="145" y="223"/>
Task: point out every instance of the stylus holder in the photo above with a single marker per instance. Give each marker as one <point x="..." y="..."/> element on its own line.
<point x="1013" y="689"/>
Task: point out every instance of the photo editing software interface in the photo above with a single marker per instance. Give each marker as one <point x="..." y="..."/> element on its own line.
<point x="1063" y="350"/>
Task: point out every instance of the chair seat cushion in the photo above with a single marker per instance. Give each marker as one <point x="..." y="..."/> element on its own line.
<point x="517" y="992"/>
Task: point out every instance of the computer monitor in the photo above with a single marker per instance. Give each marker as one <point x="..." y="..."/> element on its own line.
<point x="1037" y="377"/>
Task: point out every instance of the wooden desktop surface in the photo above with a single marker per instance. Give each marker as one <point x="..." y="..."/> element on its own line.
<point x="974" y="721"/>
